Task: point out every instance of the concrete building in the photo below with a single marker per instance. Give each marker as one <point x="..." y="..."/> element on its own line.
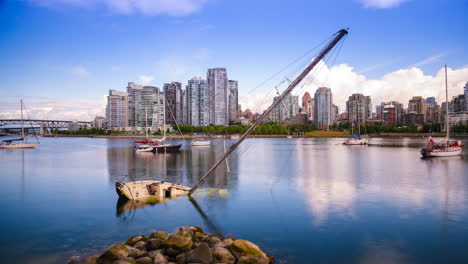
<point x="308" y="105"/>
<point x="117" y="110"/>
<point x="335" y="113"/>
<point x="233" y="100"/>
<point x="466" y="96"/>
<point x="378" y="112"/>
<point x="323" y="103"/>
<point x="197" y="102"/>
<point x="288" y="108"/>
<point x="388" y="115"/>
<point x="99" y="122"/>
<point x="132" y="91"/>
<point x="416" y="110"/>
<point x="359" y="108"/>
<point x="398" y="115"/>
<point x="457" y="105"/>
<point x="431" y="101"/>
<point x="174" y="97"/>
<point x="150" y="107"/>
<point x="218" y="87"/>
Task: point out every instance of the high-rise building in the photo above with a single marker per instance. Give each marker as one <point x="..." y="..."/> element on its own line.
<point x="378" y="112"/>
<point x="323" y="103"/>
<point x="431" y="101"/>
<point x="197" y="97"/>
<point x="397" y="116"/>
<point x="132" y="90"/>
<point x="359" y="109"/>
<point x="218" y="87"/>
<point x="466" y="96"/>
<point x="117" y="109"/>
<point x="308" y="106"/>
<point x="417" y="110"/>
<point x="174" y="102"/>
<point x="150" y="107"/>
<point x="288" y="108"/>
<point x="388" y="115"/>
<point x="458" y="104"/>
<point x="233" y="100"/>
<point x="335" y="113"/>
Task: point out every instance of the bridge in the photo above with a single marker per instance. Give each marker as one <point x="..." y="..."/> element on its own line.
<point x="42" y="123"/>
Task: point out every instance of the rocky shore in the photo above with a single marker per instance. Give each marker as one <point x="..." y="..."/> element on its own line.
<point x="188" y="245"/>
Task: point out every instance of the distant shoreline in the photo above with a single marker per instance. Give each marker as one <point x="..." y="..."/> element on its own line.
<point x="322" y="134"/>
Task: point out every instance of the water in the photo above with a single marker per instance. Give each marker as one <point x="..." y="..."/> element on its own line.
<point x="302" y="200"/>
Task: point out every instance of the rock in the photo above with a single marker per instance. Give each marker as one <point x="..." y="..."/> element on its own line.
<point x="223" y="255"/>
<point x="213" y="241"/>
<point x="192" y="229"/>
<point x="242" y="248"/>
<point x="159" y="234"/>
<point x="154" y="243"/>
<point x="180" y="259"/>
<point x="115" y="252"/>
<point x="201" y="254"/>
<point x="253" y="260"/>
<point x="172" y="252"/>
<point x="153" y="253"/>
<point x="74" y="260"/>
<point x="198" y="237"/>
<point x="227" y="242"/>
<point x="159" y="258"/>
<point x="181" y="240"/>
<point x="141" y="245"/>
<point x="134" y="239"/>
<point x="271" y="259"/>
<point x="92" y="259"/>
<point x="125" y="261"/>
<point x="144" y="260"/>
<point x="135" y="253"/>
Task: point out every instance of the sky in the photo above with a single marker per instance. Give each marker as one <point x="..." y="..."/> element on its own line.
<point x="63" y="56"/>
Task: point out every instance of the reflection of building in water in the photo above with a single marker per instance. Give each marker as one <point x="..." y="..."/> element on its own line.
<point x="185" y="167"/>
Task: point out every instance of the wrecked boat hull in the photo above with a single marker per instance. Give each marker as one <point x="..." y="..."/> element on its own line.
<point x="150" y="191"/>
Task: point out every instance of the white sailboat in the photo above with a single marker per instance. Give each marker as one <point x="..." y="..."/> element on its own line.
<point x="356" y="139"/>
<point x="18" y="143"/>
<point x="144" y="147"/>
<point x="443" y="148"/>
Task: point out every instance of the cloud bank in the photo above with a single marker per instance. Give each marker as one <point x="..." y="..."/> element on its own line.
<point x="382" y="3"/>
<point x="127" y="7"/>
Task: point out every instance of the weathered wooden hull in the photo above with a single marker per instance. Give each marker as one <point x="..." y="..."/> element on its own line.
<point x="150" y="191"/>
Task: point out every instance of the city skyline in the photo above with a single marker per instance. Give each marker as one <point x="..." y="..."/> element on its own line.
<point x="64" y="56"/>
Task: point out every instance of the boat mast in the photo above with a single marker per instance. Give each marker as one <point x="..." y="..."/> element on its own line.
<point x="146" y="123"/>
<point x="22" y="125"/>
<point x="446" y="106"/>
<point x="338" y="36"/>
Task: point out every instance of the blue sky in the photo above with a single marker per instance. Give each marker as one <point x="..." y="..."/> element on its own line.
<point x="64" y="55"/>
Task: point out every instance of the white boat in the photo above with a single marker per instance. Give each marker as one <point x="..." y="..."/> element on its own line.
<point x="150" y="191"/>
<point x="443" y="148"/>
<point x="201" y="143"/>
<point x="356" y="140"/>
<point x="143" y="148"/>
<point x="18" y="143"/>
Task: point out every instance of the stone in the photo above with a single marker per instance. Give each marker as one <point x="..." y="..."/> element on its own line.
<point x="271" y="259"/>
<point x="159" y="258"/>
<point x="92" y="259"/>
<point x="180" y="259"/>
<point x="115" y="252"/>
<point x="227" y="242"/>
<point x="192" y="229"/>
<point x="201" y="254"/>
<point x="242" y="248"/>
<point x="159" y="235"/>
<point x="198" y="237"/>
<point x="135" y="253"/>
<point x="141" y="245"/>
<point x="181" y="240"/>
<point x="213" y="241"/>
<point x="134" y="239"/>
<point x="223" y="255"/>
<point x="253" y="260"/>
<point x="126" y="260"/>
<point x="153" y="253"/>
<point x="154" y="243"/>
<point x="74" y="260"/>
<point x="144" y="260"/>
<point x="172" y="252"/>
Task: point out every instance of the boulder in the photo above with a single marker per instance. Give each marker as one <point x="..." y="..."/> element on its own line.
<point x="192" y="229"/>
<point x="253" y="260"/>
<point x="144" y="260"/>
<point x="126" y="260"/>
<point x="154" y="243"/>
<point x="141" y="245"/>
<point x="135" y="253"/>
<point x="213" y="241"/>
<point x="242" y="248"/>
<point x="180" y="259"/>
<point x="223" y="255"/>
<point x="172" y="252"/>
<point x="181" y="240"/>
<point x="134" y="239"/>
<point x="153" y="253"/>
<point x="227" y="242"/>
<point x="159" y="235"/>
<point x="92" y="259"/>
<point x="115" y="252"/>
<point x="198" y="237"/>
<point x="159" y="258"/>
<point x="201" y="254"/>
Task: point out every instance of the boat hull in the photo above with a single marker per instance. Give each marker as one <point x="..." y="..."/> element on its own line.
<point x="356" y="142"/>
<point x="167" y="148"/>
<point x="18" y="146"/>
<point x="201" y="143"/>
<point x="149" y="191"/>
<point x="441" y="153"/>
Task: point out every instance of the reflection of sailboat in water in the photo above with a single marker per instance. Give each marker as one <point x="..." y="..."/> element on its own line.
<point x="144" y="190"/>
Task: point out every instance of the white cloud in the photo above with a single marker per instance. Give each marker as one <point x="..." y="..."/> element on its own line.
<point x="80" y="71"/>
<point x="399" y="85"/>
<point x="126" y="7"/>
<point x="382" y="3"/>
<point x="146" y="79"/>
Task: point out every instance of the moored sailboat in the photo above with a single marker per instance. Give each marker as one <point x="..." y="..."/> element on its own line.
<point x="443" y="148"/>
<point x="18" y="143"/>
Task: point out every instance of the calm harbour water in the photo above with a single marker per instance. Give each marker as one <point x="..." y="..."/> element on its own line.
<point x="302" y="200"/>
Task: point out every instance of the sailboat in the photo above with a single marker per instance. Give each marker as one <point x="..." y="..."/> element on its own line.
<point x="161" y="145"/>
<point x="156" y="190"/>
<point x="18" y="143"/>
<point x="144" y="146"/>
<point x="443" y="148"/>
<point x="356" y="139"/>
